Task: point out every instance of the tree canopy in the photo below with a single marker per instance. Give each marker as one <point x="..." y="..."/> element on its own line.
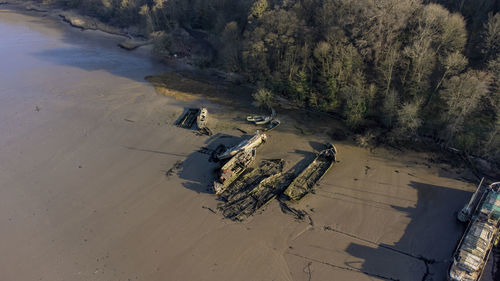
<point x="411" y="66"/>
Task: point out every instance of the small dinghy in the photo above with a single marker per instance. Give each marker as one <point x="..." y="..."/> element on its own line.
<point x="275" y="123"/>
<point x="261" y="119"/>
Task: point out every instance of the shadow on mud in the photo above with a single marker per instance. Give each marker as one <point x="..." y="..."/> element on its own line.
<point x="429" y="239"/>
<point x="198" y="169"/>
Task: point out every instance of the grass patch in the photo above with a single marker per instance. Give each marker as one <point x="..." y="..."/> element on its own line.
<point x="179" y="87"/>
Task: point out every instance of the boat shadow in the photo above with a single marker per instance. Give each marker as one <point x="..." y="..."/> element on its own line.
<point x="199" y="168"/>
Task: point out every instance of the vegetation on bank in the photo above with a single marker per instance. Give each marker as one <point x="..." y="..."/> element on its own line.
<point x="406" y="67"/>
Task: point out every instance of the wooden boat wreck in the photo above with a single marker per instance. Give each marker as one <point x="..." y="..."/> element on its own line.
<point x="250" y="178"/>
<point x="233" y="168"/>
<point x="260" y="195"/>
<point x="481" y="235"/>
<point x="202" y="118"/>
<point x="253" y="142"/>
<point x="312" y="174"/>
<point x="188" y="118"/>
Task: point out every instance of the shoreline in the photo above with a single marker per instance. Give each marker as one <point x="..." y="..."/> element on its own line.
<point x="74" y="19"/>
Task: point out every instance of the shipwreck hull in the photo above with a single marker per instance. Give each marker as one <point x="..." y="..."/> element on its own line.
<point x="251" y="178"/>
<point x="188" y="118"/>
<point x="311" y="175"/>
<point x="253" y="190"/>
<point x="233" y="169"/>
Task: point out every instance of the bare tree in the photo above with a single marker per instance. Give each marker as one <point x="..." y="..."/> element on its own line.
<point x="462" y="94"/>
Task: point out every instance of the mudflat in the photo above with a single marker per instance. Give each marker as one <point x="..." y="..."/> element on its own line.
<point x="97" y="184"/>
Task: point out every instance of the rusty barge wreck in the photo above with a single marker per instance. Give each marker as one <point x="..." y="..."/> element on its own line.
<point x="481" y="235"/>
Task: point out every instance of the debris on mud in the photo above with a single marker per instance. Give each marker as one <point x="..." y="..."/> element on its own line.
<point x="204" y="131"/>
<point x="296" y="213"/>
<point x="210" y="209"/>
<point x="241" y="130"/>
<point x="175" y="168"/>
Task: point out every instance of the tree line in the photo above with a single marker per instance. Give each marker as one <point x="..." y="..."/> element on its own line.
<point x="408" y="67"/>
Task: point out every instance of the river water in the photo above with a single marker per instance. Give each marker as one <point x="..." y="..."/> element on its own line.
<point x="65" y="168"/>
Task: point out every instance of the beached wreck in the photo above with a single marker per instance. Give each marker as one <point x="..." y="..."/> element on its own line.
<point x="258" y="197"/>
<point x="253" y="190"/>
<point x="253" y="142"/>
<point x="481" y="235"/>
<point x="233" y="168"/>
<point x="312" y="174"/>
<point x="188" y="118"/>
<point x="250" y="178"/>
<point x="202" y="118"/>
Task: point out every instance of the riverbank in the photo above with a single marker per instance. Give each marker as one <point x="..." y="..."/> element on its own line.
<point x="132" y="38"/>
<point x="86" y="147"/>
<point x="226" y="88"/>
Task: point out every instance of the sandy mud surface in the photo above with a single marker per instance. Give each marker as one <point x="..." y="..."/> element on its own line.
<point x="97" y="184"/>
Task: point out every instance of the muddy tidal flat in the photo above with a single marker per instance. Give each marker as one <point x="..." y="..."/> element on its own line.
<point x="87" y="190"/>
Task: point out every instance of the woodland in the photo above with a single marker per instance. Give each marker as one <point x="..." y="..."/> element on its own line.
<point x="408" y="68"/>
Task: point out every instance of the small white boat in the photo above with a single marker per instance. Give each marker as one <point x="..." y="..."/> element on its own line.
<point x="253" y="142"/>
<point x="275" y="123"/>
<point x="260" y="119"/>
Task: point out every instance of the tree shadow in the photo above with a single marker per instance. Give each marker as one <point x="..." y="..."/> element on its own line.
<point x="317" y="146"/>
<point x="302" y="164"/>
<point x="429" y="239"/>
<point x="154" y="151"/>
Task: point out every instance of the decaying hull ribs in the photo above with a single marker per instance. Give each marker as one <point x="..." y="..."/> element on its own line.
<point x="251" y="143"/>
<point x="188" y="118"/>
<point x="250" y="178"/>
<point x="261" y="192"/>
<point x="233" y="168"/>
<point x="308" y="178"/>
